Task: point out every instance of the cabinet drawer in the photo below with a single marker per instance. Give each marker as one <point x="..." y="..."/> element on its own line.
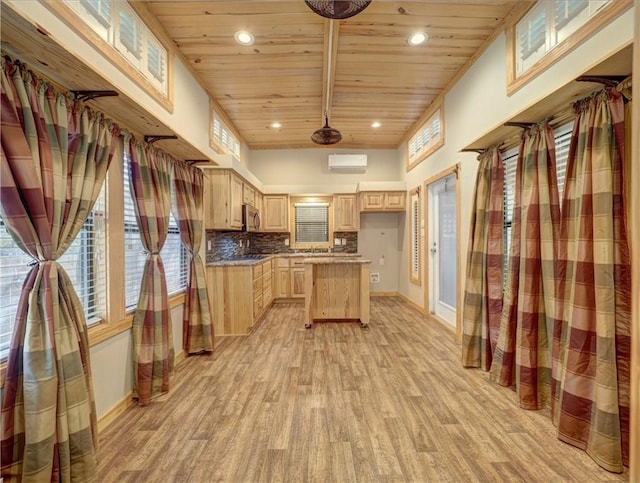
<point x="266" y="278"/>
<point x="266" y="296"/>
<point x="298" y="263"/>
<point x="257" y="286"/>
<point x="266" y="267"/>
<point x="282" y="263"/>
<point x="257" y="306"/>
<point x="257" y="271"/>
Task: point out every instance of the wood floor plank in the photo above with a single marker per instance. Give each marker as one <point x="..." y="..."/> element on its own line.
<point x="337" y="403"/>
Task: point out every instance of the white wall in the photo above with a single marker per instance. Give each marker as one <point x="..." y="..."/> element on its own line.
<point x="380" y="239"/>
<point x="306" y="170"/>
<point x="478" y="103"/>
<point x="112" y="365"/>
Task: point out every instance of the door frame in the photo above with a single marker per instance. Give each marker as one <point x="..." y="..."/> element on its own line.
<point x="455" y="169"/>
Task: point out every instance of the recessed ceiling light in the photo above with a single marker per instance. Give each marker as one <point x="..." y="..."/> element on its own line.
<point x="243" y="37"/>
<point x="376" y="124"/>
<point x="417" y="38"/>
<point x="276" y="125"/>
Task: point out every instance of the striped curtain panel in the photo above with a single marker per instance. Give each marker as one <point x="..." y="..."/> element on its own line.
<point x="55" y="155"/>
<point x="483" y="289"/>
<point x="523" y="353"/>
<point x="153" y="352"/>
<point x="188" y="187"/>
<point x="591" y="346"/>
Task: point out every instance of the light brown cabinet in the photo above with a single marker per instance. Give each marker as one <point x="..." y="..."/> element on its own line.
<point x="345" y="213"/>
<point x="382" y="201"/>
<point x="281" y="280"/>
<point x="248" y="194"/>
<point x="274" y="214"/>
<point x="239" y="295"/>
<point x="223" y="200"/>
<point x="296" y="272"/>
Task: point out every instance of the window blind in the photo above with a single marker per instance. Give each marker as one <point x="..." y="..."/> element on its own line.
<point x="99" y="9"/>
<point x="415" y="235"/>
<point x="129" y="31"/>
<point x="312" y="222"/>
<point x="174" y="258"/>
<point x="533" y="32"/>
<point x="155" y="61"/>
<point x="134" y="255"/>
<point x="566" y="10"/>
<point x="562" y="137"/>
<point x="510" y="163"/>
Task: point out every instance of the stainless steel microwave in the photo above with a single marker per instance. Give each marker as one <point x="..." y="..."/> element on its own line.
<point x="250" y="218"/>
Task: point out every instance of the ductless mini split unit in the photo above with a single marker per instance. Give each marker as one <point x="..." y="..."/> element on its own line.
<point x="348" y="162"/>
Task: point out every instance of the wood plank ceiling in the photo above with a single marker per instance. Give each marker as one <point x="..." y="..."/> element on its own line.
<point x="375" y="74"/>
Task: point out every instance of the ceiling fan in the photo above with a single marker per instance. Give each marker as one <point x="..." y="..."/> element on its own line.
<point x="334" y="10"/>
<point x="337" y="9"/>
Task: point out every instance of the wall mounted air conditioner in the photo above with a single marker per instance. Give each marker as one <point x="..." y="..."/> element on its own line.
<point x="348" y="162"/>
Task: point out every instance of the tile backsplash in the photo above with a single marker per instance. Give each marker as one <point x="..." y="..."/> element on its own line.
<point x="227" y="244"/>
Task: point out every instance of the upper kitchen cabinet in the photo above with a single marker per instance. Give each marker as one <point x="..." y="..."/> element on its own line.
<point x="249" y="195"/>
<point x="223" y="200"/>
<point x="346" y="215"/>
<point x="382" y="201"/>
<point x="275" y="210"/>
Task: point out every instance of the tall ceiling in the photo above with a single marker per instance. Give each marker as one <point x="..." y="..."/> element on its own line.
<point x="290" y="76"/>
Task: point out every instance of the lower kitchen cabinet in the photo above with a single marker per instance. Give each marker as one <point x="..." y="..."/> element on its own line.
<point x="297" y="279"/>
<point x="282" y="278"/>
<point x="239" y="295"/>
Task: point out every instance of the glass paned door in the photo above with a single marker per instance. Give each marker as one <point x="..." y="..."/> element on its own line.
<point x="443" y="244"/>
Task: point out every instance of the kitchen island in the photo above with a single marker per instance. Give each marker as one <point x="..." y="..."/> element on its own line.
<point x="336" y="289"/>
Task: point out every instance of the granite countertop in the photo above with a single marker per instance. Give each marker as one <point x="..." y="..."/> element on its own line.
<point x="249" y="260"/>
<point x="333" y="260"/>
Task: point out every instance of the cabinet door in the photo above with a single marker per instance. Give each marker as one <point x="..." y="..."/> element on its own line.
<point x="346" y="213"/>
<point x="274" y="213"/>
<point x="235" y="201"/>
<point x="372" y="201"/>
<point x="281" y="283"/>
<point x="297" y="282"/>
<point x="248" y="194"/>
<point x="395" y="201"/>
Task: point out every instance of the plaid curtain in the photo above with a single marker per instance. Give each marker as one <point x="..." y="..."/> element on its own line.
<point x="55" y="156"/>
<point x="591" y="346"/>
<point x="483" y="290"/>
<point x="153" y="353"/>
<point x="188" y="186"/>
<point x="523" y="354"/>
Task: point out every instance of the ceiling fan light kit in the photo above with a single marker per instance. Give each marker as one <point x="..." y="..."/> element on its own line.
<point x="337" y="9"/>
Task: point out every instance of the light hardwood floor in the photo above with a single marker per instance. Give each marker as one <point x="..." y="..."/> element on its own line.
<point x="338" y="403"/>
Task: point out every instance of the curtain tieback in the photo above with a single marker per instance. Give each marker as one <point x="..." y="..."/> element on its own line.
<point x="35" y="262"/>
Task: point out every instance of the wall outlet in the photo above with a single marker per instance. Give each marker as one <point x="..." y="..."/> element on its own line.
<point x="344" y="241"/>
<point x="248" y="242"/>
<point x="209" y="245"/>
<point x="381" y="261"/>
<point x="240" y="243"/>
<point x="286" y="242"/>
<point x="374" y="277"/>
<point x="337" y="242"/>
